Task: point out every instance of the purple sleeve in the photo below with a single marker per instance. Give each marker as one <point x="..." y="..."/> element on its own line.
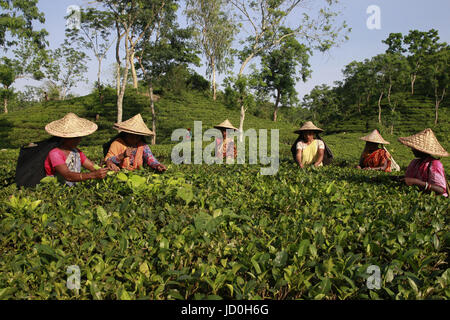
<point x="149" y="159"/>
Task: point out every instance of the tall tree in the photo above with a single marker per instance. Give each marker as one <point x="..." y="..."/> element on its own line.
<point x="323" y="102"/>
<point x="267" y="19"/>
<point x="214" y="34"/>
<point x="133" y="19"/>
<point x="7" y="77"/>
<point x="394" y="43"/>
<point x="28" y="60"/>
<point x="354" y="84"/>
<point x="17" y="19"/>
<point x="282" y="67"/>
<point x="380" y="64"/>
<point x="66" y="67"/>
<point x="420" y="44"/>
<point x="94" y="34"/>
<point x="438" y="74"/>
<point x="170" y="48"/>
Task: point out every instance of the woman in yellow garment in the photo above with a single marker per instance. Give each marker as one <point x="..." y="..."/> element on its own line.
<point x="310" y="151"/>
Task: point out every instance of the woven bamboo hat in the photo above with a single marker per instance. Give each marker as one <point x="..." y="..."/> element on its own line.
<point x="135" y="125"/>
<point x="71" y="126"/>
<point x="226" y="124"/>
<point x="425" y="141"/>
<point x="308" y="126"/>
<point x="374" y="137"/>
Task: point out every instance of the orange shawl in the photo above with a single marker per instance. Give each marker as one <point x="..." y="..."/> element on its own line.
<point x="119" y="146"/>
<point x="377" y="159"/>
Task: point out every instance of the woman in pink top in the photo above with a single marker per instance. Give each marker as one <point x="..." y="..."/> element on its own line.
<point x="66" y="160"/>
<point x="425" y="171"/>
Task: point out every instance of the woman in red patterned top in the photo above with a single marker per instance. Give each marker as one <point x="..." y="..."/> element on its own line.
<point x="426" y="171"/>
<point x="225" y="147"/>
<point x="373" y="157"/>
<point x="66" y="160"/>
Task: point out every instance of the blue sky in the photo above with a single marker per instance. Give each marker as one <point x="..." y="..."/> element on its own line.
<point x="396" y="16"/>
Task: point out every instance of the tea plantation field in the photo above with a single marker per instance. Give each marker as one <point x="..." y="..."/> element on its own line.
<point x="226" y="232"/>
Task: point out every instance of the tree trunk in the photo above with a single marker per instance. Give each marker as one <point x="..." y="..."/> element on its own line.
<point x="133" y="71"/>
<point x="119" y="38"/>
<point x="277" y="101"/>
<point x="152" y="105"/>
<point x="242" y="117"/>
<point x="436" y="113"/>
<point x="99" y="73"/>
<point x="379" y="107"/>
<point x="5" y="104"/>
<point x="118" y="79"/>
<point x="438" y="103"/>
<point x="99" y="86"/>
<point x="389" y="93"/>
<point x="359" y="105"/>
<point x="213" y="65"/>
<point x="152" y="101"/>
<point x="241" y="122"/>
<point x="124" y="83"/>
<point x="63" y="94"/>
<point x="413" y="80"/>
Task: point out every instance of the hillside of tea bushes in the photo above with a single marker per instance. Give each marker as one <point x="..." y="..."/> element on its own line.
<point x="217" y="231"/>
<point x="224" y="232"/>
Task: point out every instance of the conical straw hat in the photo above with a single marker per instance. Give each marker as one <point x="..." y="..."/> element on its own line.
<point x="308" y="126"/>
<point x="226" y="124"/>
<point x="375" y="137"/>
<point x="425" y="141"/>
<point x="71" y="126"/>
<point x="135" y="125"/>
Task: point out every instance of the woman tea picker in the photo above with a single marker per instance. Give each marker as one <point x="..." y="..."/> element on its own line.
<point x="225" y="148"/>
<point x="373" y="157"/>
<point x="426" y="171"/>
<point x="310" y="151"/>
<point x="66" y="160"/>
<point x="129" y="150"/>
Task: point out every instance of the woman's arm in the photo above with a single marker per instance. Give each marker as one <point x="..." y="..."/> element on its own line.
<point x="89" y="165"/>
<point x="382" y="168"/>
<point x="68" y="175"/>
<point x="423" y="184"/>
<point x="299" y="158"/>
<point x="320" y="159"/>
<point x="151" y="161"/>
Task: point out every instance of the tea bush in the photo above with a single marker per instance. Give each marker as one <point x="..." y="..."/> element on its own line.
<point x="224" y="232"/>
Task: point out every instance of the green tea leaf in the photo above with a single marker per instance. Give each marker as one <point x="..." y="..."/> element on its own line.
<point x="280" y="259"/>
<point x="303" y="247"/>
<point x="122" y="176"/>
<point x="185" y="193"/>
<point x="102" y="216"/>
<point x="143" y="268"/>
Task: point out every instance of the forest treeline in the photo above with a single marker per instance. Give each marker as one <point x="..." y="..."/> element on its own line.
<point x="153" y="55"/>
<point x="416" y="63"/>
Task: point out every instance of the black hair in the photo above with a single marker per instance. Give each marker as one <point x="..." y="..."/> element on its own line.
<point x="420" y="154"/>
<point x="302" y="135"/>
